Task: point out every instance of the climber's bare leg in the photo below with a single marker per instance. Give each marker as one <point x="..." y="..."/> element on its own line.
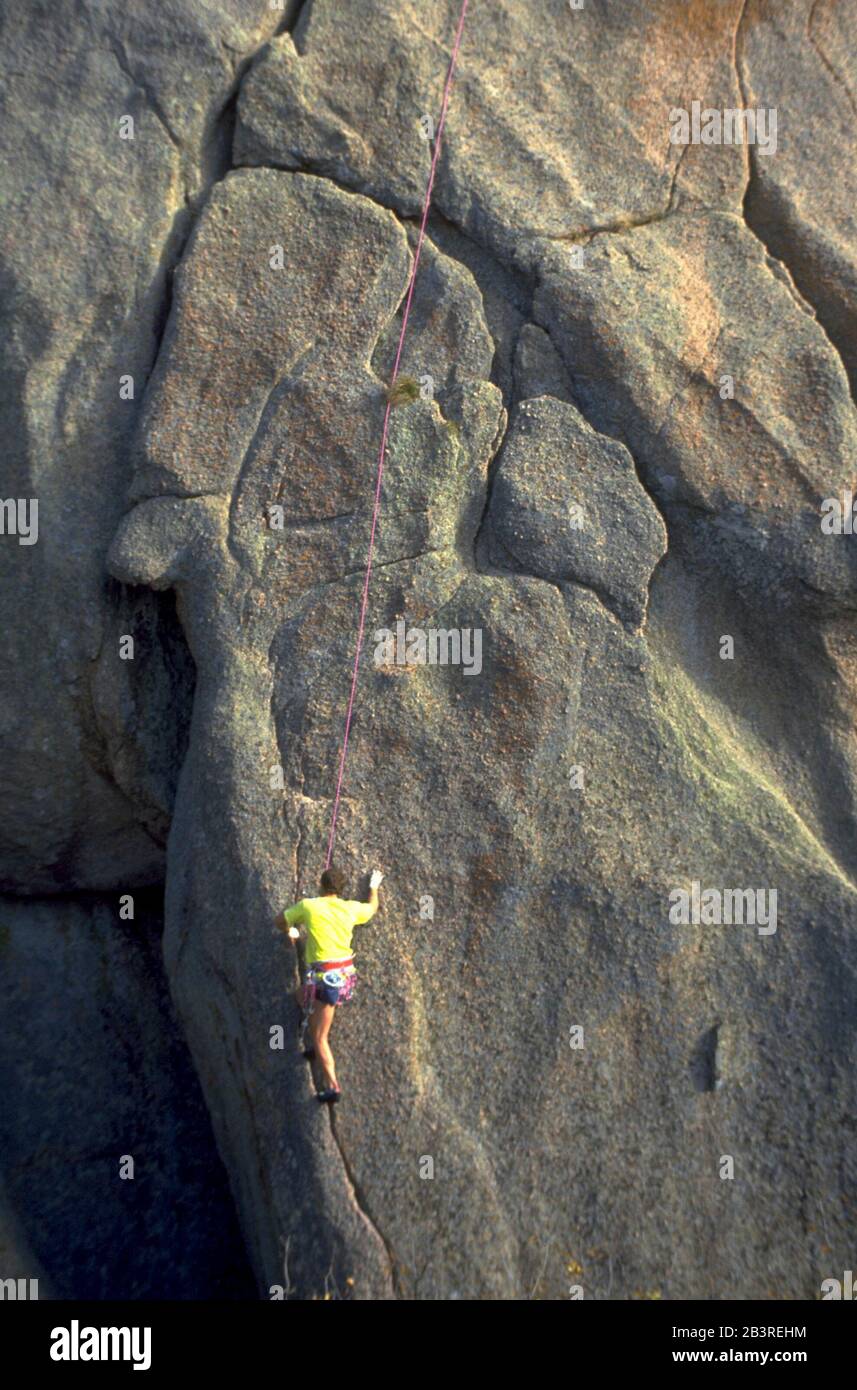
<point x="319" y="1027"/>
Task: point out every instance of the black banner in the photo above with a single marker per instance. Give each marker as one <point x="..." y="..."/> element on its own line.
<point x="163" y="1339"/>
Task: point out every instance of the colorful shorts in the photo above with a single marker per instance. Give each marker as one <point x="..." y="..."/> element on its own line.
<point x="334" y="986"/>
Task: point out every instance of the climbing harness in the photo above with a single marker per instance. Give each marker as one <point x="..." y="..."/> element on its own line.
<point x="321" y="984"/>
<point x="380" y="473"/>
<point x="329" y="981"/>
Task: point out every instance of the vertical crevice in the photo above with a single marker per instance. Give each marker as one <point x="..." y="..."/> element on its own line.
<point x="768" y="214"/>
<point x="704" y="1063"/>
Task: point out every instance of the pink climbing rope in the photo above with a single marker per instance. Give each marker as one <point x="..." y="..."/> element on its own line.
<point x="380" y="474"/>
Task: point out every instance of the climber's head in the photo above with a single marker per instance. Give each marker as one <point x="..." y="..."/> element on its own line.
<point x="332" y="882"/>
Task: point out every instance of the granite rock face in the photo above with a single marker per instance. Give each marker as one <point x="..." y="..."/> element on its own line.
<point x="547" y="1070"/>
<point x="90" y="744"/>
<point x="346" y="102"/>
<point x="110" y="1171"/>
<point x="567" y="505"/>
<point x="800" y="58"/>
<point x="666" y="357"/>
<point x="97" y="211"/>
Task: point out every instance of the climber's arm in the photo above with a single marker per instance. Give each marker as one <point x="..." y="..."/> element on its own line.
<point x="289" y="921"/>
<point x="374" y="883"/>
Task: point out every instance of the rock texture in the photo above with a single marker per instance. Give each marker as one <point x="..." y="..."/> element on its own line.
<point x="90" y="745"/>
<point x="656" y="335"/>
<point x="94" y="224"/>
<point x="95" y="1072"/>
<point x="567" y="505"/>
<point x="800" y="58"/>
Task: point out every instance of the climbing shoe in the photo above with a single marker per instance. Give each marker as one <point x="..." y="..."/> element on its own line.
<point x="329" y="1097"/>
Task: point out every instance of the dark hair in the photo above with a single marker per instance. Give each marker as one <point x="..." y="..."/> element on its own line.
<point x="332" y="881"/>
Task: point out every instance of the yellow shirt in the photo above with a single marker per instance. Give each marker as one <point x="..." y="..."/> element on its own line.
<point x="329" y="924"/>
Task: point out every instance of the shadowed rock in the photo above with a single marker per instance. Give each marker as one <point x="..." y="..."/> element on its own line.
<point x="539" y="369"/>
<point x="95" y="223"/>
<point x="567" y="505"/>
<point x="107" y="1154"/>
<point x="799" y="60"/>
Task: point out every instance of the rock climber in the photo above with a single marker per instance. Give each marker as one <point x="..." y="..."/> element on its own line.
<point x="326" y="924"/>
